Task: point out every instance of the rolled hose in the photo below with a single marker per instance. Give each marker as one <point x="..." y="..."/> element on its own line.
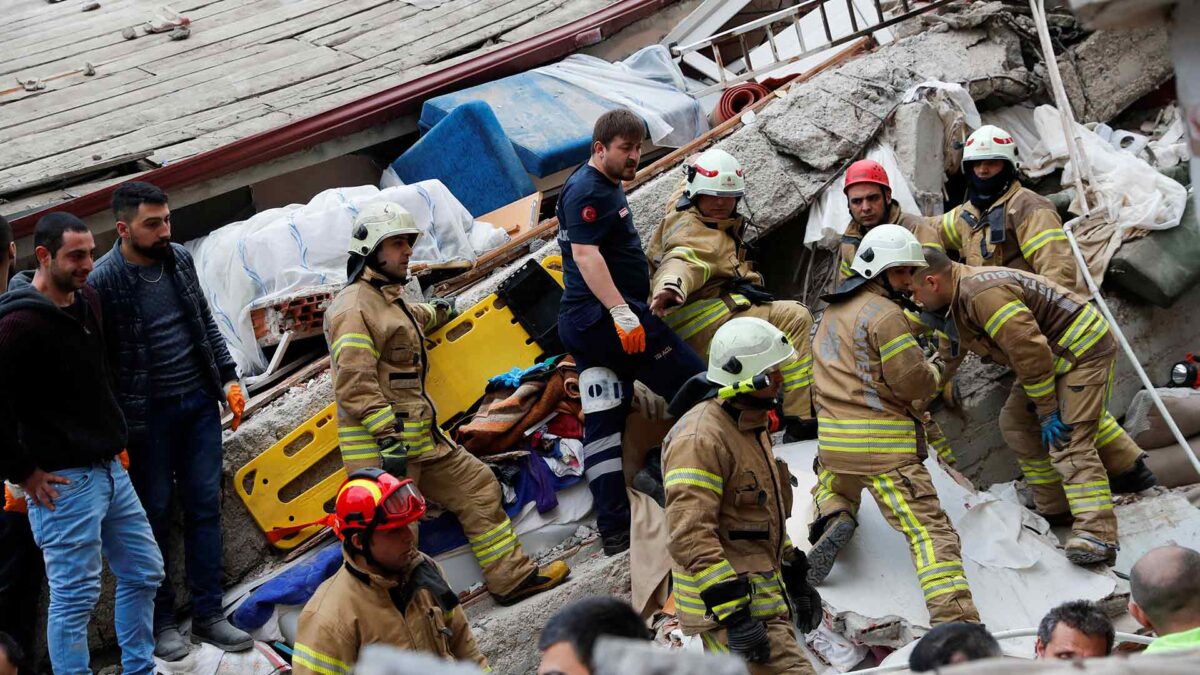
<point x="737" y="99"/>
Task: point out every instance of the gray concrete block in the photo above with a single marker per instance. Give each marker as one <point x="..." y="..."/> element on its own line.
<point x="1107" y="72"/>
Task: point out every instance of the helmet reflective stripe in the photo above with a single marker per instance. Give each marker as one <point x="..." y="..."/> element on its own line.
<point x="716" y="173"/>
<point x="599" y="389"/>
<point x="744" y="348"/>
<point x="378" y="221"/>
<point x="887" y="246"/>
<point x="990" y="142"/>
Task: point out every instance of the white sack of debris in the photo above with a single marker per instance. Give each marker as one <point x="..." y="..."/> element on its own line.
<point x="280" y="251"/>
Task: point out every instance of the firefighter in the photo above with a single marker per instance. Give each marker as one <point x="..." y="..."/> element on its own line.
<point x="737" y="580"/>
<point x="869" y="199"/>
<point x="386" y="592"/>
<point x="698" y="258"/>
<point x="387" y="419"/>
<point x="869" y="372"/>
<point x="1056" y="418"/>
<point x="1003" y="223"/>
<point x="603" y="318"/>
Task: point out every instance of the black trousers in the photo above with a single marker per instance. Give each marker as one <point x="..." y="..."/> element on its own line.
<point x="21" y="577"/>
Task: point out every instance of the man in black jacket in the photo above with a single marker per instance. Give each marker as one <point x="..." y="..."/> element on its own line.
<point x="60" y="433"/>
<point x="172" y="368"/>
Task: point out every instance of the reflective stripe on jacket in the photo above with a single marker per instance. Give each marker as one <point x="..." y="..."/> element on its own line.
<point x="1028" y="323"/>
<point x="871" y="384"/>
<point x="377" y="345"/>
<point x="728" y="499"/>
<point x="354" y="608"/>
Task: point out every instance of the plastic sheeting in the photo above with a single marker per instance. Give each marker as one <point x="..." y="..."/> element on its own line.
<point x="830" y="214"/>
<point x="1135" y="194"/>
<point x="281" y="251"/>
<point x="648" y="83"/>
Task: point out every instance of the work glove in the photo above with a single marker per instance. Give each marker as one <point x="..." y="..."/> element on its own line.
<point x="805" y="599"/>
<point x="748" y="637"/>
<point x="394" y="459"/>
<point x="236" y="401"/>
<point x="651" y="405"/>
<point x="1055" y="432"/>
<point x="629" y="329"/>
<point x="444" y="305"/>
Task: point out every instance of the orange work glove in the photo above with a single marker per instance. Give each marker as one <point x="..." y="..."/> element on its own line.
<point x="124" y="459"/>
<point x="629" y="329"/>
<point x="237" y="403"/>
<point x="13" y="503"/>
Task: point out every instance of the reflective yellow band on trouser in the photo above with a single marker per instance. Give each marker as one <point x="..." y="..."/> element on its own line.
<point x="896" y="345"/>
<point x="798" y="374"/>
<point x="1108" y="431"/>
<point x="356" y="443"/>
<point x="1002" y="315"/>
<point x="712" y="644"/>
<point x="418" y="437"/>
<point x="1088" y="497"/>
<point x="860" y="436"/>
<point x="318" y="662"/>
<point x="493" y="544"/>
<point x="1041" y="239"/>
<point x="353" y="341"/>
<point x="918" y="536"/>
<point x="1040" y="389"/>
<point x="824" y="490"/>
<point x="695" y="477"/>
<point x="942" y="578"/>
<point x="695" y="317"/>
<point x="1039" y="471"/>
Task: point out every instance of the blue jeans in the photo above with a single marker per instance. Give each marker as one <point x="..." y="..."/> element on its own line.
<point x="97" y="513"/>
<point x="182" y="449"/>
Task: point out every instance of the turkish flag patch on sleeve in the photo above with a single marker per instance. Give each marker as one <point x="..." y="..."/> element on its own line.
<point x="589" y="214"/>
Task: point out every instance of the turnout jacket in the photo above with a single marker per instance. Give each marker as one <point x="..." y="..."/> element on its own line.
<point x="918" y="225"/>
<point x="1021" y="230"/>
<point x="1029" y="323"/>
<point x="355" y="608"/>
<point x="871" y="382"/>
<point x="695" y="255"/>
<point x="377" y="345"/>
<point x="728" y="499"/>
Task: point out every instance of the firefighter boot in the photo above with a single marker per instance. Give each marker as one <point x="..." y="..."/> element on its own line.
<point x="834" y="536"/>
<point x="1084" y="550"/>
<point x="1139" y="478"/>
<point x="543" y="579"/>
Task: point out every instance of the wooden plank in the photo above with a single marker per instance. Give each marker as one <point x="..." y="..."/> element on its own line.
<point x="36" y="181"/>
<point x="388" y="39"/>
<point x="19" y="22"/>
<point x="474" y="31"/>
<point x="335" y="33"/>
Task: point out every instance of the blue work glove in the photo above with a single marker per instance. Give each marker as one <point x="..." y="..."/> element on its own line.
<point x="1055" y="432"/>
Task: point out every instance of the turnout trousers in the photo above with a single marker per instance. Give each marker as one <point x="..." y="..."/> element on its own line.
<point x="786" y="656"/>
<point x="465" y="486"/>
<point x="698" y="321"/>
<point x="1074" y="477"/>
<point x="909" y="502"/>
<point x="664" y="366"/>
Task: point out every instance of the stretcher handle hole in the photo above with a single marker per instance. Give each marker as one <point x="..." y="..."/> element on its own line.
<point x="298" y="487"/>
<point x="460" y="330"/>
<point x="248" y="481"/>
<point x="298" y="443"/>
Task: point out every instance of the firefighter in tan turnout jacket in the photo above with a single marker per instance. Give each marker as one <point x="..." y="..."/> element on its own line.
<point x="701" y="278"/>
<point x="870" y="376"/>
<point x="1003" y="223"/>
<point x="737" y="580"/>
<point x="1056" y="418"/>
<point x="387" y="419"/>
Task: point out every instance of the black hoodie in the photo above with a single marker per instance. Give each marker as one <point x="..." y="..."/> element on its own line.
<point x="57" y="408"/>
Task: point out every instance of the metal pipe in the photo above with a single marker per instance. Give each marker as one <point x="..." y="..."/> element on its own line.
<point x="1081" y="167"/>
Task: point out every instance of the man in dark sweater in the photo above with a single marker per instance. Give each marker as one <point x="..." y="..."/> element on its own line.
<point x="60" y="433"/>
<point x="172" y="369"/>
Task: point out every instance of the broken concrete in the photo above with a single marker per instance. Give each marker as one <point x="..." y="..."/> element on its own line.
<point x="1110" y="70"/>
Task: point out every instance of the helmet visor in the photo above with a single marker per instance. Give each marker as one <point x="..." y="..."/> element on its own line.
<point x="403" y="506"/>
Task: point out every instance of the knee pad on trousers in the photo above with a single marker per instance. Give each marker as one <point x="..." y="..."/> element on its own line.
<point x="600" y="389"/>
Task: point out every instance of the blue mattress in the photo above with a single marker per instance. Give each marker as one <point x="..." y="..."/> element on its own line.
<point x="548" y="121"/>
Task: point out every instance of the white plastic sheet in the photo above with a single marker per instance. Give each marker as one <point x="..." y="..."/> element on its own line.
<point x="281" y="251"/>
<point x="648" y="83"/>
<point x="830" y="214"/>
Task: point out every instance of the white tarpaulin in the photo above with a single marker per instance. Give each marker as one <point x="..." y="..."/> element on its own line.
<point x="281" y="251"/>
<point x="648" y="83"/>
<point x="829" y="215"/>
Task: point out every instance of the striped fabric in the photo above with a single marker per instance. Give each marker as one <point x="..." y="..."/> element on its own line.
<point x="950" y="229"/>
<point x="1088" y="497"/>
<point x="1002" y="315"/>
<point x="1083" y="333"/>
<point x="694" y="317"/>
<point x="859" y="436"/>
<point x="696" y="478"/>
<point x="688" y="587"/>
<point x="318" y="662"/>
<point x="493" y="544"/>
<point x="1041" y="239"/>
<point x="1039" y="471"/>
<point x="798" y="374"/>
<point x="353" y="341"/>
<point x="896" y="345"/>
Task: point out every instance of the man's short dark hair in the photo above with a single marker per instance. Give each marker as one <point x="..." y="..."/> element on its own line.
<point x="936" y="259"/>
<point x="623" y="123"/>
<point x="13" y="651"/>
<point x="952" y="642"/>
<point x="6" y="236"/>
<point x="1165" y="583"/>
<point x="50" y="228"/>
<point x="1085" y="617"/>
<point x="129" y="196"/>
<point x="583" y="621"/>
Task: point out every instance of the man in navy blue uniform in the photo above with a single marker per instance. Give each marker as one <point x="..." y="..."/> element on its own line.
<point x="604" y="320"/>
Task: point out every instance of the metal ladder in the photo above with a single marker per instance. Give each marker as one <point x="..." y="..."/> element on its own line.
<point x="775" y="25"/>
